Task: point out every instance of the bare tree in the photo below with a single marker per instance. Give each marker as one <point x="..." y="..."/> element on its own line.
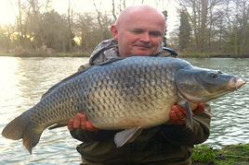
<point x="69" y="20"/>
<point x="20" y="24"/>
<point x="114" y="10"/>
<point x="6" y="34"/>
<point x="200" y="15"/>
<point x="184" y="31"/>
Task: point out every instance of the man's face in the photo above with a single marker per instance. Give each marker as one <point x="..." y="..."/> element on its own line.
<point x="140" y="35"/>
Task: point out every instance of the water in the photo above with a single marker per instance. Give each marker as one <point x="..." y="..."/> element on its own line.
<point x="231" y="112"/>
<point x="24" y="80"/>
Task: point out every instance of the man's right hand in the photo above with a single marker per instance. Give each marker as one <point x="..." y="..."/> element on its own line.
<point x="80" y="121"/>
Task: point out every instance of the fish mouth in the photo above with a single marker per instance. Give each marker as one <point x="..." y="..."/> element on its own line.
<point x="236" y="83"/>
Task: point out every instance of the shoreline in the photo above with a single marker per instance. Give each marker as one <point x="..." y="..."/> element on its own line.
<point x="84" y="54"/>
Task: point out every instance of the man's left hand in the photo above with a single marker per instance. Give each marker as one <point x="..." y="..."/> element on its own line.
<point x="178" y="113"/>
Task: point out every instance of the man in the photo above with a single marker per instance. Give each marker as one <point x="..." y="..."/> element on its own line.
<point x="139" y="31"/>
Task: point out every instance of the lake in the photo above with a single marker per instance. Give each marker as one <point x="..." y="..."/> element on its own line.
<point x="24" y="80"/>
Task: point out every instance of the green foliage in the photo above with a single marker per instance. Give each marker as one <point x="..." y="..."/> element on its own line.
<point x="203" y="154"/>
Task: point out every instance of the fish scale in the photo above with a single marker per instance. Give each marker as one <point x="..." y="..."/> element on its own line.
<point x="136" y="92"/>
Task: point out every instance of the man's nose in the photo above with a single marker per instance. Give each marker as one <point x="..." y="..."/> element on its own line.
<point x="145" y="37"/>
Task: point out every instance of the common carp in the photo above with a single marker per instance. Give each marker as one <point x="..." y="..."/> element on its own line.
<point x="135" y="92"/>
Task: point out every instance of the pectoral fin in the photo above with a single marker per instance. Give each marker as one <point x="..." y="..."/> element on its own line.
<point x="189" y="114"/>
<point x="126" y="136"/>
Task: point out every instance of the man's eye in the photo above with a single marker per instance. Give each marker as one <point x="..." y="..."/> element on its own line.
<point x="156" y="34"/>
<point x="137" y="31"/>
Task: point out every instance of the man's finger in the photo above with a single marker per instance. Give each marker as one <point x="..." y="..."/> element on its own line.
<point x="180" y="113"/>
<point x="90" y="127"/>
<point x="177" y="115"/>
<point x="199" y="109"/>
<point x="70" y="125"/>
<point x="77" y="120"/>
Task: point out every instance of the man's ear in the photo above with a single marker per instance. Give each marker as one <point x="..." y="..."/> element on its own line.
<point x="114" y="32"/>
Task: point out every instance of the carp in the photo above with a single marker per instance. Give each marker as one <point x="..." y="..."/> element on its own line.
<point x="128" y="94"/>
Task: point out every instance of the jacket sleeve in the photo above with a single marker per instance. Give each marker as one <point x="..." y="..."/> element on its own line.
<point x="87" y="136"/>
<point x="180" y="135"/>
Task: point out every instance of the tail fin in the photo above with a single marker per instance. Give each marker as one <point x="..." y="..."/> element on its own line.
<point x="21" y="127"/>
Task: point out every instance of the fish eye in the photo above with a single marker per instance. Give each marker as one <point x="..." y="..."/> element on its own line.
<point x="219" y="72"/>
<point x="213" y="75"/>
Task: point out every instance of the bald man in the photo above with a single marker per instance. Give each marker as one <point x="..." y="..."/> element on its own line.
<point x="139" y="31"/>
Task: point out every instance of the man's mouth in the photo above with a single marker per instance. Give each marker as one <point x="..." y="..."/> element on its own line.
<point x="143" y="46"/>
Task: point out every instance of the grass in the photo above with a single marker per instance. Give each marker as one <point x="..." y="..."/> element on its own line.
<point x="228" y="155"/>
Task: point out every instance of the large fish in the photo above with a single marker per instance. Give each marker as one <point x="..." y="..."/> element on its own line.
<point x="136" y="92"/>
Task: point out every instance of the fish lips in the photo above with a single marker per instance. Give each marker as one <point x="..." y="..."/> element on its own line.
<point x="236" y="83"/>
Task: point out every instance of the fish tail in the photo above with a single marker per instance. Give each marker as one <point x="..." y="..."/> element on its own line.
<point x="21" y="127"/>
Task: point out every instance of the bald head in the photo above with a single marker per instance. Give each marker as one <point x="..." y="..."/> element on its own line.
<point x="138" y="11"/>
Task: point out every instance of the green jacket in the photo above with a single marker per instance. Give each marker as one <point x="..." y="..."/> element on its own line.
<point x="164" y="144"/>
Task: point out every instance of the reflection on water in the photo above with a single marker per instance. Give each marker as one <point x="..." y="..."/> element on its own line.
<point x="24" y="80"/>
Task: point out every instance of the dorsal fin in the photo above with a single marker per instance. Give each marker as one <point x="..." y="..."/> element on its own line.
<point x="111" y="61"/>
<point x="62" y="81"/>
<point x="77" y="73"/>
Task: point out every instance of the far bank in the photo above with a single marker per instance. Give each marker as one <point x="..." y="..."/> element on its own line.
<point x="87" y="54"/>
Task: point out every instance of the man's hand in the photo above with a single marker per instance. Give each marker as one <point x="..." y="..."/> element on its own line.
<point x="80" y="121"/>
<point x="178" y="114"/>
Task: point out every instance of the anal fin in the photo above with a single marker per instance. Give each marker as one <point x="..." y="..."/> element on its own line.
<point x="126" y="136"/>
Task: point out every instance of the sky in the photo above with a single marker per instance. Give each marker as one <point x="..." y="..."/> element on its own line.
<point x="8" y="8"/>
<point x="7" y="12"/>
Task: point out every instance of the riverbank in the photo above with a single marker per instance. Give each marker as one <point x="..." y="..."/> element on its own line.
<point x="228" y="155"/>
<point x="210" y="55"/>
<point x="87" y="54"/>
<point x="37" y="54"/>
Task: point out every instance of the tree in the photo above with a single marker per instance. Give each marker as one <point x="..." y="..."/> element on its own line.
<point x="198" y="17"/>
<point x="184" y="31"/>
<point x="5" y="37"/>
<point x="165" y="13"/>
<point x="90" y="32"/>
<point x="54" y="28"/>
<point x="241" y="28"/>
<point x="69" y="21"/>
